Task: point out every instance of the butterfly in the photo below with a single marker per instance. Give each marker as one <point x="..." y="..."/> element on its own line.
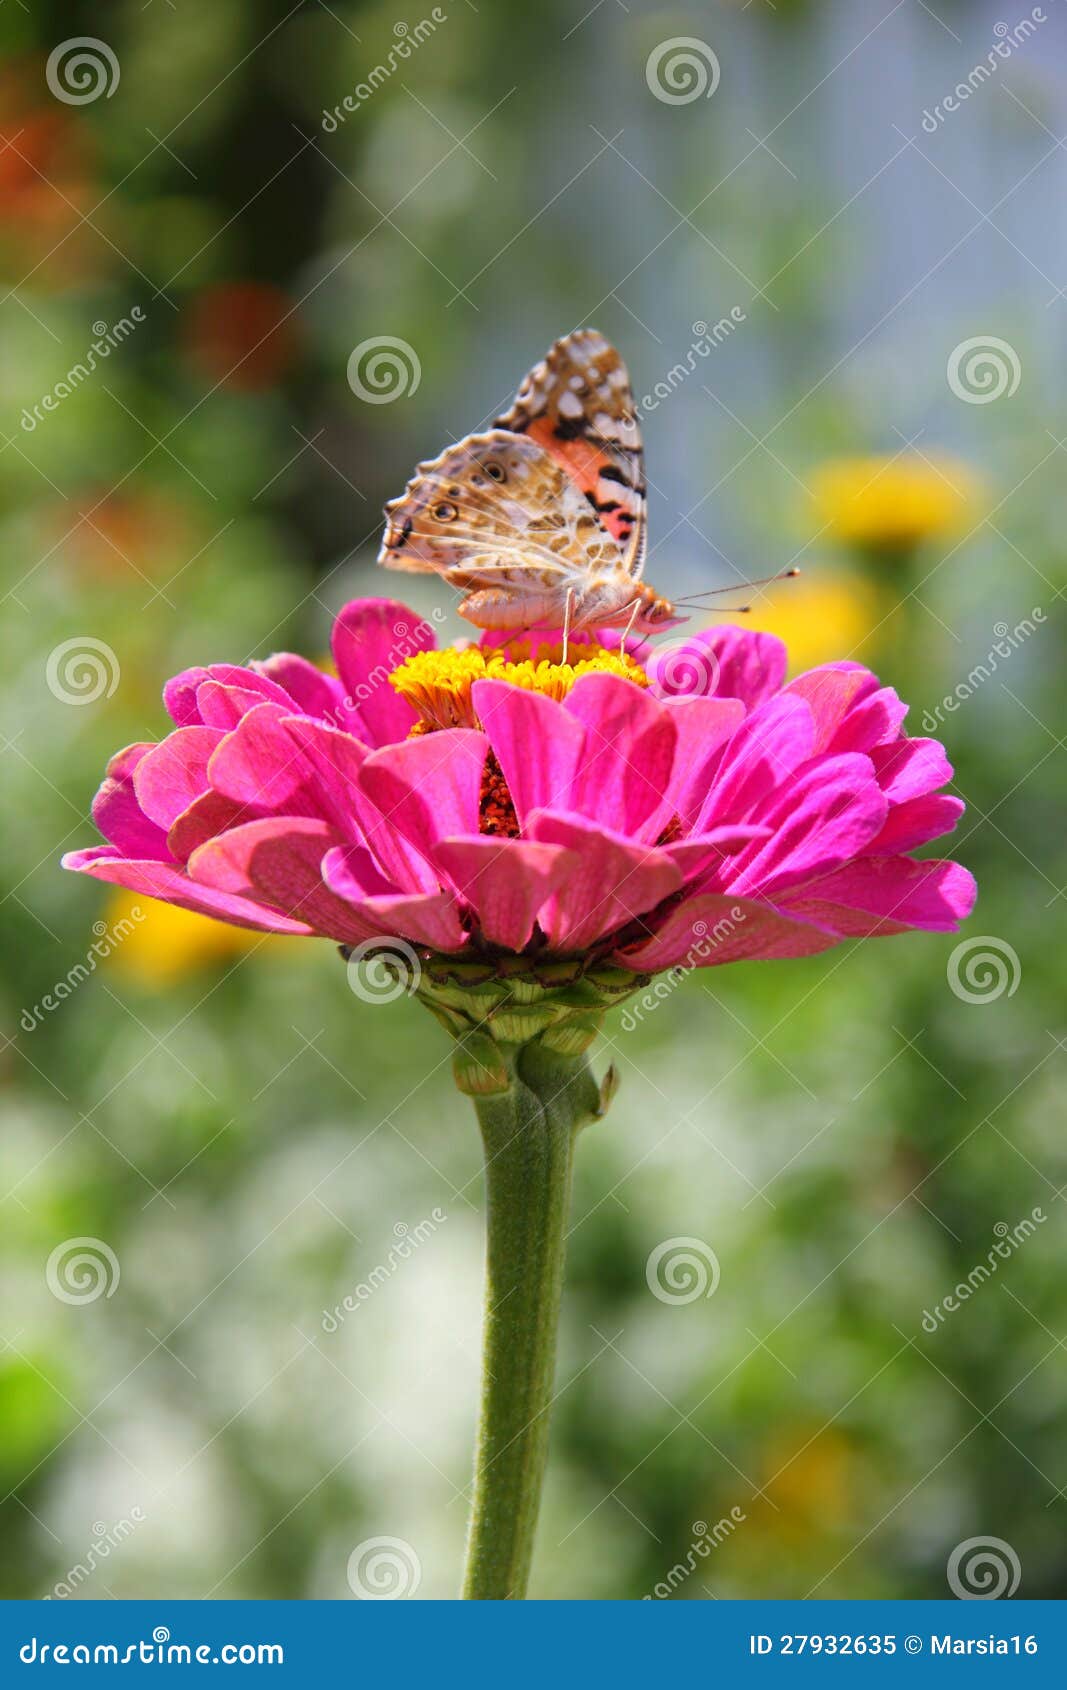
<point x="541" y="522"/>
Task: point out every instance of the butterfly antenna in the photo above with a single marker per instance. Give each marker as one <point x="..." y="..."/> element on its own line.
<point x="761" y="581"/>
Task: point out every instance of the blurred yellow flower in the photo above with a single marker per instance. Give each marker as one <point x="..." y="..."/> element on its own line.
<point x="811" y="1475"/>
<point x="810" y="1481"/>
<point x="894" y="504"/>
<point x="821" y="619"/>
<point x="156" y="944"/>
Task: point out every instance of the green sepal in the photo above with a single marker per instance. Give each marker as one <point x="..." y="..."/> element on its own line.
<point x="479" y="1066"/>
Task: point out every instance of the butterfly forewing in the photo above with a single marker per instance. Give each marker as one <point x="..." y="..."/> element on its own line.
<point x="578" y="404"/>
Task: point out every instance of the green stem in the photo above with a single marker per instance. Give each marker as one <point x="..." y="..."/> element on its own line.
<point x="528" y="1131"/>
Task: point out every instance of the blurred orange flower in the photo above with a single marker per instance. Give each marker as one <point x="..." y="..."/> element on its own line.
<point x="242" y="334"/>
<point x="128" y="536"/>
<point x="47" y="183"/>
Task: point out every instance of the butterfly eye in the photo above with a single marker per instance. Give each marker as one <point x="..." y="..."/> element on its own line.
<point x="495" y="472"/>
<point x="444" y="512"/>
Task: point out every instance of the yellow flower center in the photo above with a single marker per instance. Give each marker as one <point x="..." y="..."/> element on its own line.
<point x="438" y="683"/>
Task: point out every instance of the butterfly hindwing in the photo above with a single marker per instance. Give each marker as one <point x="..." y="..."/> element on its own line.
<point x="578" y="404"/>
<point x="496" y="510"/>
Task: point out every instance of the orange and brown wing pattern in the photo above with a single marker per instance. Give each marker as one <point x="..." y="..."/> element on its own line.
<point x="496" y="509"/>
<point x="578" y="404"/>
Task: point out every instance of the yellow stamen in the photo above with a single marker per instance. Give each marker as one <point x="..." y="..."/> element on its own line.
<point x="438" y="683"/>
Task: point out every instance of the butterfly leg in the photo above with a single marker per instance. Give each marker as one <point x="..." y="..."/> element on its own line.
<point x="630" y="625"/>
<point x="567" y="621"/>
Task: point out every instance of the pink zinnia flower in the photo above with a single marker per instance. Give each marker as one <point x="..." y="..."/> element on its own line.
<point x="534" y="837"/>
<point x="481" y="803"/>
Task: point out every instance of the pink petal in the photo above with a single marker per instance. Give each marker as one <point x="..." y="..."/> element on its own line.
<point x="121" y="766"/>
<point x="117" y="813"/>
<point x="915" y="823"/>
<point x="351" y="872"/>
<point x="313" y="692"/>
<point x="910" y="768"/>
<point x="723" y="662"/>
<point x="371" y="638"/>
<point x="830" y="691"/>
<point x="702" y="728"/>
<point x="850" y="710"/>
<point x="624" y="771"/>
<point x="277" y="861"/>
<point x="613" y="881"/>
<point x="638" y="646"/>
<point x="537" y="743"/>
<point x="545" y="634"/>
<point x="173" y="773"/>
<point x="505" y="882"/>
<point x="710" y="929"/>
<point x="825" y="815"/>
<point x="396" y="859"/>
<point x="181" y="695"/>
<point x="887" y="895"/>
<point x="261" y="766"/>
<point x="767" y="747"/>
<point x="334" y="759"/>
<point x="223" y="706"/>
<point x="251" y="679"/>
<point x="874" y="721"/>
<point x="206" y="816"/>
<point x="702" y="851"/>
<point x="426" y="918"/>
<point x="80" y="861"/>
<point x="422" y="790"/>
<point x="172" y="886"/>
